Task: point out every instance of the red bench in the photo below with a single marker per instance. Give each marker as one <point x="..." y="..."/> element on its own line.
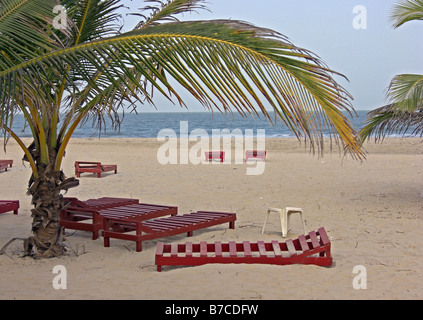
<point x="162" y="227"/>
<point x="93" y="167"/>
<point x="99" y="203"/>
<point x="4" y="164"/>
<point x="9" y="205"/>
<point x="255" y="154"/>
<point x="313" y="248"/>
<point x="89" y="216"/>
<point x="215" y="155"/>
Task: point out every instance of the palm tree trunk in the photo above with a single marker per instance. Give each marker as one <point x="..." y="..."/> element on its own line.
<point x="47" y="239"/>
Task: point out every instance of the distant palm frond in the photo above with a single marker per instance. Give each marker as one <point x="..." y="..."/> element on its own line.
<point x="405" y="11"/>
<point x="406" y="92"/>
<point x="389" y="119"/>
<point x="404" y="112"/>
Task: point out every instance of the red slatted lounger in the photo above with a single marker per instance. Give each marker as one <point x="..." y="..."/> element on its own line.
<point x="100" y="203"/>
<point x="255" y="155"/>
<point x="139" y="231"/>
<point x="4" y="164"/>
<point x="89" y="217"/>
<point x="93" y="167"/>
<point x="215" y="155"/>
<point x="313" y="248"/>
<point x="9" y="205"/>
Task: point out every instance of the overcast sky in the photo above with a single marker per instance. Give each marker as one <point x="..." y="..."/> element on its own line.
<point x="368" y="51"/>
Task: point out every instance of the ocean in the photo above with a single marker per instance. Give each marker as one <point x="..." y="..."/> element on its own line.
<point x="151" y="125"/>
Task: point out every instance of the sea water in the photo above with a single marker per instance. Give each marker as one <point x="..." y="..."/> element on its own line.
<point x="149" y="124"/>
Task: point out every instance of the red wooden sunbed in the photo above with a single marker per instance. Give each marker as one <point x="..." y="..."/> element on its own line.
<point x="90" y="217"/>
<point x="255" y="155"/>
<point x="99" y="203"/>
<point x="9" y="205"/>
<point x="4" y="164"/>
<point x="215" y="155"/>
<point x="93" y="167"/>
<point x="163" y="227"/>
<point x="313" y="248"/>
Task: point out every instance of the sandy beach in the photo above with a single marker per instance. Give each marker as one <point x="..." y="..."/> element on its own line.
<point x="372" y="212"/>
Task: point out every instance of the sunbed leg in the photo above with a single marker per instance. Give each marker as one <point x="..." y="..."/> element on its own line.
<point x="189" y="234"/>
<point x="95" y="235"/>
<point x="139" y="246"/>
<point x="15" y="211"/>
<point x="106" y="242"/>
<point x="159" y="268"/>
<point x="98" y="175"/>
<point x="232" y="225"/>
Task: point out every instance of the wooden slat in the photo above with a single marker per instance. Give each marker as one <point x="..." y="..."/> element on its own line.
<point x="303" y="243"/>
<point x="314" y="241"/>
<point x="203" y="249"/>
<point x="188" y="249"/>
<point x="247" y="248"/>
<point x="262" y="248"/>
<point x="276" y="248"/>
<point x="323" y="236"/>
<point x="174" y="250"/>
<point x="159" y="248"/>
<point x="218" y="248"/>
<point x="291" y="247"/>
<point x="232" y="249"/>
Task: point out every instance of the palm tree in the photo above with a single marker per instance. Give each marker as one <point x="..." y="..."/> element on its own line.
<point x="60" y="73"/>
<point x="404" y="111"/>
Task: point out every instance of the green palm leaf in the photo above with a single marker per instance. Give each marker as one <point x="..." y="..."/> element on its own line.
<point x="407" y="10"/>
<point x="389" y="119"/>
<point x="221" y="63"/>
<point x="406" y="92"/>
<point x="26" y="30"/>
<point x="404" y="112"/>
<point x="166" y="11"/>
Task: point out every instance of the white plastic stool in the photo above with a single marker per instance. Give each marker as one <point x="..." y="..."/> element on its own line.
<point x="285" y="217"/>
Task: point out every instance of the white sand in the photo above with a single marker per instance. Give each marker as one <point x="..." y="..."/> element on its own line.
<point x="372" y="212"/>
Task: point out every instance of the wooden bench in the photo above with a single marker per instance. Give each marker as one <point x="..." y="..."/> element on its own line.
<point x="215" y="155"/>
<point x="162" y="227"/>
<point x="93" y="167"/>
<point x="91" y="218"/>
<point x="9" y="205"/>
<point x="4" y="164"/>
<point x="255" y="155"/>
<point x="313" y="248"/>
<point x="99" y="203"/>
<point x="83" y="215"/>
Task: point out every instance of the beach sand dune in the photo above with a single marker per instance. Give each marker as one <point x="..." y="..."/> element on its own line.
<point x="372" y="212"/>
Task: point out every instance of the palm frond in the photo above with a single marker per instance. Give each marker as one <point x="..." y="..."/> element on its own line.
<point x="223" y="64"/>
<point x="26" y="30"/>
<point x="406" y="92"/>
<point x="389" y="120"/>
<point x="165" y="11"/>
<point x="94" y="19"/>
<point x="407" y="10"/>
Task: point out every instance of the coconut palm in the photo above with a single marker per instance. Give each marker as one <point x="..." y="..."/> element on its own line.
<point x="60" y="69"/>
<point x="404" y="111"/>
